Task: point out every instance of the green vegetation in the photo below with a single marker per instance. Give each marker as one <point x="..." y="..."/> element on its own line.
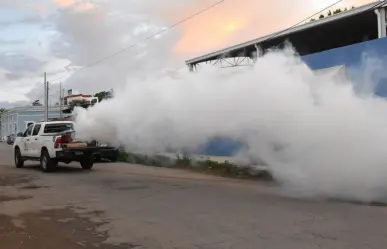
<point x="36" y="103"/>
<point x="78" y="102"/>
<point x="330" y="13"/>
<point x="158" y="160"/>
<point x="225" y="169"/>
<point x="101" y="95"/>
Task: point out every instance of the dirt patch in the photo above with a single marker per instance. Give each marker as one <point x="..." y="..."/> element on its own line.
<point x="15" y="180"/>
<point x="33" y="186"/>
<point x="59" y="229"/>
<point x="4" y="198"/>
<point x="362" y="203"/>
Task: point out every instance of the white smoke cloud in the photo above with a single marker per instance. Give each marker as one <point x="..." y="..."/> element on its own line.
<point x="318" y="136"/>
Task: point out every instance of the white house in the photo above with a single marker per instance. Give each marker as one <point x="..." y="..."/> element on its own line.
<point x="88" y="98"/>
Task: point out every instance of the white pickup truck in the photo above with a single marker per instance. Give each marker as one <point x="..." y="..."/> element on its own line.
<point x="43" y="142"/>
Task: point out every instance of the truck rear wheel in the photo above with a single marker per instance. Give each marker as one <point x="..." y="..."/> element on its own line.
<point x="87" y="161"/>
<point x="19" y="162"/>
<point x="46" y="163"/>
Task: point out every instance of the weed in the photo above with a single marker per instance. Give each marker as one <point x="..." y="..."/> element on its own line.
<point x="225" y="169"/>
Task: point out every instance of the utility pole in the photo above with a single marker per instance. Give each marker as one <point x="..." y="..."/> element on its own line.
<point x="45" y="98"/>
<point x="48" y="102"/>
<point x="60" y="100"/>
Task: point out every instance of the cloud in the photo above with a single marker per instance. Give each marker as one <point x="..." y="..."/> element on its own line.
<point x="40" y="8"/>
<point x="74" y="4"/>
<point x="4" y="42"/>
<point x="13" y="76"/>
<point x="64" y="3"/>
<point x="84" y="37"/>
<point x="7" y="104"/>
<point x="89" y="36"/>
<point x="16" y="73"/>
<point x="26" y="20"/>
<point x="83" y="32"/>
<point x="20" y="63"/>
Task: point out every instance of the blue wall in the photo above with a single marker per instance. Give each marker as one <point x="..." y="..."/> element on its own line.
<point x="355" y="57"/>
<point x="351" y="56"/>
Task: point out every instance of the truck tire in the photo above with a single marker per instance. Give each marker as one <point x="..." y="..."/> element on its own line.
<point x="87" y="162"/>
<point x="19" y="162"/>
<point x="46" y="163"/>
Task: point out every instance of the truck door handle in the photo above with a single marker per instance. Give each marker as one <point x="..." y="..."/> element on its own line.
<point x="36" y="139"/>
<point x="28" y="140"/>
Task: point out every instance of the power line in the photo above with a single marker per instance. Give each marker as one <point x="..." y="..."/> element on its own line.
<point x="147" y="38"/>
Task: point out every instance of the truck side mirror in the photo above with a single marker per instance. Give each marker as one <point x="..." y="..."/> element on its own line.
<point x="20" y="134"/>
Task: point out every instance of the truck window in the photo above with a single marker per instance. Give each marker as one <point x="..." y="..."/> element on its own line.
<point x="36" y="129"/>
<point x="28" y="131"/>
<point x="57" y="127"/>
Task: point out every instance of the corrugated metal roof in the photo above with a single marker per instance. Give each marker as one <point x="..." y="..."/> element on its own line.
<point x="309" y="25"/>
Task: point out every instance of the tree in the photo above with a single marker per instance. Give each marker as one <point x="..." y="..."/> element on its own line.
<point x="78" y="102"/>
<point x="330" y="13"/>
<point x="36" y="103"/>
<point x="101" y="95"/>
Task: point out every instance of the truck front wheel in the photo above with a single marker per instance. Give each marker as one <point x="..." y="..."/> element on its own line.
<point x="19" y="162"/>
<point x="87" y="161"/>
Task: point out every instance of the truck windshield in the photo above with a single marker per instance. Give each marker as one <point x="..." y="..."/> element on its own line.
<point x="57" y="127"/>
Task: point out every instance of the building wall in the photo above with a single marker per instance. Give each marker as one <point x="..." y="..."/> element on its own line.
<point x="8" y="124"/>
<point x="29" y="116"/>
<point x="360" y="60"/>
<point x="16" y="121"/>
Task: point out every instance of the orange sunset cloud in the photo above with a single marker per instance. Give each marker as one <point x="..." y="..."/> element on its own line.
<point x="77" y="5"/>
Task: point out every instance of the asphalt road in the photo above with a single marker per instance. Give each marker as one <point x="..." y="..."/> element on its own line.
<point x="131" y="206"/>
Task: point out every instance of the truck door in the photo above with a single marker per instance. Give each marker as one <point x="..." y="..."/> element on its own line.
<point x="35" y="141"/>
<point x="25" y="141"/>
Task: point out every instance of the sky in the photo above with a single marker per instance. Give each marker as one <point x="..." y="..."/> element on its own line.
<point x="62" y="36"/>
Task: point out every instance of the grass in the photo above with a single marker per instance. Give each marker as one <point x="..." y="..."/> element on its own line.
<point x="225" y="169"/>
